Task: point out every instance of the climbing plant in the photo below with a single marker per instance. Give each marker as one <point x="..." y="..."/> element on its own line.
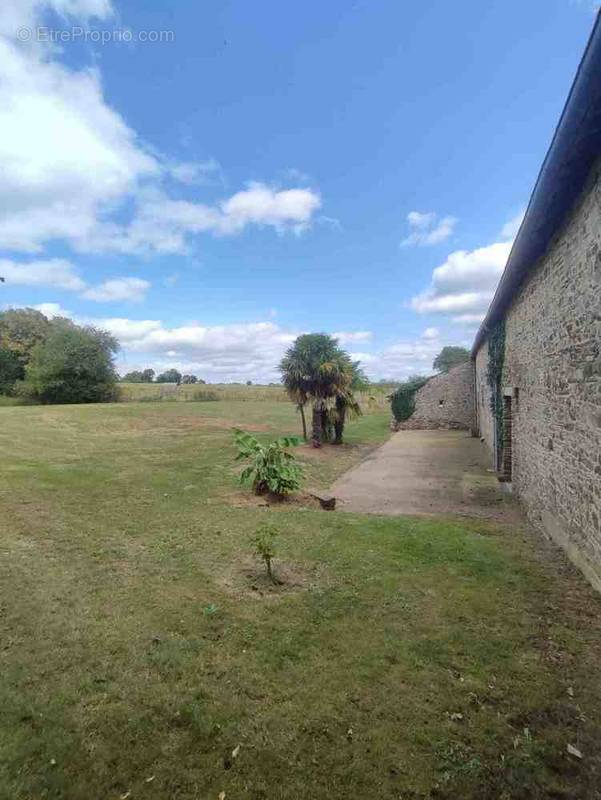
<point x="496" y="361"/>
<point x="402" y="400"/>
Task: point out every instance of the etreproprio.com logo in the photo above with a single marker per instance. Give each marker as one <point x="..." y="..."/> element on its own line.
<point x="92" y="35"/>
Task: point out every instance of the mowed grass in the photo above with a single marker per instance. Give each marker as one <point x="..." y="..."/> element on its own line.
<point x="405" y="658"/>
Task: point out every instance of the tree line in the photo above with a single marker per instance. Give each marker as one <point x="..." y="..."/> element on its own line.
<point x="169" y="376"/>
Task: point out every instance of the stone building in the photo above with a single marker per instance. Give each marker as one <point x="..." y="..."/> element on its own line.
<point x="445" y="401"/>
<point x="537" y="354"/>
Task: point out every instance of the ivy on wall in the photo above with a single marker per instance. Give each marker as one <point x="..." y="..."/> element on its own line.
<point x="402" y="400"/>
<point x="496" y="361"/>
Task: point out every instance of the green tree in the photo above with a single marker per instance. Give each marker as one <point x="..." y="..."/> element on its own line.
<point x="133" y="377"/>
<point x="147" y="375"/>
<point x="72" y="365"/>
<point x="21" y="329"/>
<point x="170" y="376"/>
<point x="11" y="370"/>
<point x="189" y="379"/>
<point x="449" y="357"/>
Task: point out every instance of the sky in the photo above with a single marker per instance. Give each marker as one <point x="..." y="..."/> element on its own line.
<point x="207" y="180"/>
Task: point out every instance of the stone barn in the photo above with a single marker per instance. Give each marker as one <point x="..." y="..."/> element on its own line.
<point x="537" y="355"/>
<point x="445" y="401"/>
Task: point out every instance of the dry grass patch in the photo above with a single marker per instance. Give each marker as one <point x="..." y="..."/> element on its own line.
<point x="246" y="578"/>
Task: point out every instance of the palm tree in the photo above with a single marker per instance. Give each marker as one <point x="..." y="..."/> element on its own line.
<point x="315" y="368"/>
<point x="305" y="375"/>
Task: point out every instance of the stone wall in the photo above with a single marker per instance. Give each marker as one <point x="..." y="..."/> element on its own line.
<point x="446" y="401"/>
<point x="484" y="418"/>
<point x="553" y="364"/>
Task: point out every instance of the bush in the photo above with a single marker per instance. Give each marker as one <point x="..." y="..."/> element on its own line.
<point x="72" y="365"/>
<point x="203" y="396"/>
<point x="402" y="400"/>
<point x="272" y="468"/>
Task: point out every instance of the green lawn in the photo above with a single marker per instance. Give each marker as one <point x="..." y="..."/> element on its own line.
<point x="140" y="647"/>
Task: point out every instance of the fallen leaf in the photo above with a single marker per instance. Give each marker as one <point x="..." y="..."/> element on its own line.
<point x="125" y="796"/>
<point x="574" y="751"/>
<point x="570" y="691"/>
<point x="456" y="716"/>
<point x="235" y="751"/>
<point x="149" y="780"/>
<point x="221" y="795"/>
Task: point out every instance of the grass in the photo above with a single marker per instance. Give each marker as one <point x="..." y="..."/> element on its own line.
<point x="408" y="658"/>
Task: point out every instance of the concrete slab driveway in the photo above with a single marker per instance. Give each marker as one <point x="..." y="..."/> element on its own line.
<point x="425" y="472"/>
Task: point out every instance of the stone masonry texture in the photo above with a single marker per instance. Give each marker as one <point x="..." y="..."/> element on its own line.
<point x="446" y="401"/>
<point x="553" y="361"/>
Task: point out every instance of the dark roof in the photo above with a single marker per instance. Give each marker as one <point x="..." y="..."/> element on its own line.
<point x="575" y="147"/>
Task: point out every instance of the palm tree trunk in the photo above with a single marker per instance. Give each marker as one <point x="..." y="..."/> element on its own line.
<point x="301" y="408"/>
<point x="340" y="420"/>
<point x="317" y="433"/>
<point x="326" y="426"/>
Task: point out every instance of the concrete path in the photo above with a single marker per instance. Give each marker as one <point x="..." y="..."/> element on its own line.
<point x="425" y="472"/>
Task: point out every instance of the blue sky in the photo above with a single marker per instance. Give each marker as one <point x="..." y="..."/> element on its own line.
<point x="273" y="168"/>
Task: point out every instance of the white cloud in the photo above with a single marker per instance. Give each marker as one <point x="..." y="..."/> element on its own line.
<point x="428" y="228"/>
<point x="128" y="330"/>
<point x="132" y="290"/>
<point x="163" y="225"/>
<point x="196" y="172"/>
<point x="348" y="337"/>
<point x="64" y="154"/>
<point x="465" y="282"/>
<point x="262" y="205"/>
<point x="56" y="273"/>
<point x="245" y="351"/>
<point x="70" y="166"/>
<point x="52" y="310"/>
<point x="401" y="359"/>
<point x="431" y="333"/>
<point x="23" y="13"/>
<point x="469" y="319"/>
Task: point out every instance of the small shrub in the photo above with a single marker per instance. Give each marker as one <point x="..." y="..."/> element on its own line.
<point x="272" y="468"/>
<point x="402" y="400"/>
<point x="263" y="541"/>
<point x="203" y="396"/>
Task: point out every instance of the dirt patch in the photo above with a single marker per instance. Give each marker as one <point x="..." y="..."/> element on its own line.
<point x="248" y="579"/>
<point x="296" y="501"/>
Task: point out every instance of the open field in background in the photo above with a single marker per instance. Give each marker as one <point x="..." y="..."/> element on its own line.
<point x="373" y="398"/>
<point x="140" y="646"/>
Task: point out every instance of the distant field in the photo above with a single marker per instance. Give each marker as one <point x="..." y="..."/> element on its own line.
<point x="143" y="655"/>
<point x="374" y="397"/>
